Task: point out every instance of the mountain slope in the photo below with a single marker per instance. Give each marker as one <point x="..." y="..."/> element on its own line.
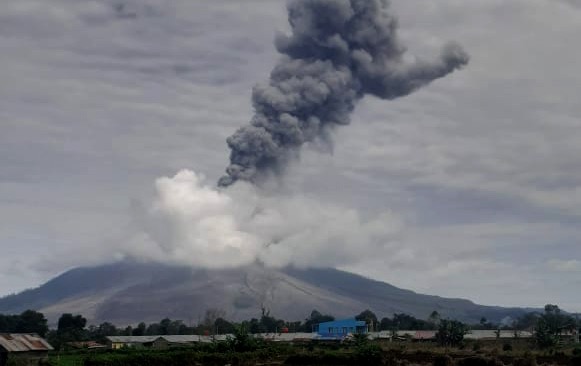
<point x="126" y="293"/>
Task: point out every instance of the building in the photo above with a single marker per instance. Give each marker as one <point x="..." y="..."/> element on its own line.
<point x="424" y="335"/>
<point x="339" y="329"/>
<point x="161" y="341"/>
<point x="30" y="348"/>
<point x="88" y="345"/>
<point x="118" y="342"/>
<point x="497" y="334"/>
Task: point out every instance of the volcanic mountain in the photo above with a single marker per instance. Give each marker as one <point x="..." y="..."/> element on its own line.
<point x="127" y="293"/>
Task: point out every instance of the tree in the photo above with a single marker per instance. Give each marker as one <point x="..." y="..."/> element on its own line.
<point x="528" y="321"/>
<point x="211" y="315"/>
<point x="550" y="325"/>
<point x="31" y="321"/>
<point x="107" y="329"/>
<point x="153" y="329"/>
<point x="386" y="324"/>
<point x="69" y="322"/>
<point x="71" y="328"/>
<point x="101" y="332"/>
<point x="369" y="317"/>
<point x="222" y="326"/>
<point x="408" y="322"/>
<point x="451" y="332"/>
<point x="140" y="330"/>
<point x="316" y="318"/>
<point x="544" y="337"/>
<point x="434" y="318"/>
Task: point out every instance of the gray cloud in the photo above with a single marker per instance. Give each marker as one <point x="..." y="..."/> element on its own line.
<point x="338" y="52"/>
<point x="482" y="165"/>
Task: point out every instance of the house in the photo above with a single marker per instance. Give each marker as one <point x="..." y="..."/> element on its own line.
<point x="424" y="335"/>
<point x="496" y="334"/>
<point x="89" y="345"/>
<point x="30" y="348"/>
<point x="156" y="342"/>
<point x="340" y="329"/>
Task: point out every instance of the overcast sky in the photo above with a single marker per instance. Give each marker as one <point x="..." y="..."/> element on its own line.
<point x="99" y="98"/>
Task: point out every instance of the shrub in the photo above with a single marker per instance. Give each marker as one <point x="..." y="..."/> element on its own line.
<point x="527" y="360"/>
<point x="443" y="360"/>
<point x="15" y="361"/>
<point x="326" y="358"/>
<point x="368" y="354"/>
<point x="507" y="347"/>
<point x="575" y="361"/>
<point x="478" y="361"/>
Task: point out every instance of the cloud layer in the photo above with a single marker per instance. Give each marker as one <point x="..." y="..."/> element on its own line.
<point x="193" y="223"/>
<point x="97" y="102"/>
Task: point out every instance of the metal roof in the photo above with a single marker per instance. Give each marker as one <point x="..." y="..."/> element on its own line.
<point x="492" y="334"/>
<point x="425" y="334"/>
<point x="133" y="339"/>
<point x="23" y="343"/>
<point x="184" y="338"/>
<point x="343" y="323"/>
<point x="86" y="344"/>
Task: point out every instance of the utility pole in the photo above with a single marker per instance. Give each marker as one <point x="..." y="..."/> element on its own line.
<point x="576" y="327"/>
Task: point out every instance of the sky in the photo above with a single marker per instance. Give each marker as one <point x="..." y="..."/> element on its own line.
<point x="110" y="107"/>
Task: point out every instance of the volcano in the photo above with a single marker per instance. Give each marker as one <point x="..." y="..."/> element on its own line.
<point x="127" y="293"/>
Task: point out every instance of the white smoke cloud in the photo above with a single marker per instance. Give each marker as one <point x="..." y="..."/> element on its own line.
<point x="193" y="223"/>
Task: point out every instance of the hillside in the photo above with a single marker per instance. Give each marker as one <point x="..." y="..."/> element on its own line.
<point x="125" y="293"/>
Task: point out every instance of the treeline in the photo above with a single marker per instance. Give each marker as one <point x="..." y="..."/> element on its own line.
<point x="27" y="322"/>
<point x="548" y="326"/>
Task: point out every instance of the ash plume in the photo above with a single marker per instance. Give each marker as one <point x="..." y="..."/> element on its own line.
<point x="338" y="52"/>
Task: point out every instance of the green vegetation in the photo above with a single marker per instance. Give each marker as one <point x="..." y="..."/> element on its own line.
<point x="359" y="351"/>
<point x="552" y="341"/>
<point x="27" y="322"/>
<point x="451" y="333"/>
<point x="550" y="326"/>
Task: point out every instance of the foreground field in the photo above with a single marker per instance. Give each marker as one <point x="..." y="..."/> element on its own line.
<point x="368" y="353"/>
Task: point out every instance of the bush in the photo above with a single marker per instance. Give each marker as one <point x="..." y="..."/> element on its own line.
<point x="476" y="346"/>
<point x="575" y="361"/>
<point x="527" y="360"/>
<point x="451" y="333"/>
<point x="182" y="357"/>
<point x="326" y="358"/>
<point x="15" y="361"/>
<point x="478" y="361"/>
<point x="368" y="354"/>
<point x="507" y="347"/>
<point x="443" y="360"/>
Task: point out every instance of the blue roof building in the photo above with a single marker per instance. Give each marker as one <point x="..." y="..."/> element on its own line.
<point x="338" y="329"/>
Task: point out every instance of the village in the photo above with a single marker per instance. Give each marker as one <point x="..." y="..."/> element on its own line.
<point x="32" y="349"/>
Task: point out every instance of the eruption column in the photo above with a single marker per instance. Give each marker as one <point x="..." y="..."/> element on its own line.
<point x="338" y="51"/>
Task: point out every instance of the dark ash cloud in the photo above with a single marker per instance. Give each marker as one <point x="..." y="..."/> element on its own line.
<point x="338" y="52"/>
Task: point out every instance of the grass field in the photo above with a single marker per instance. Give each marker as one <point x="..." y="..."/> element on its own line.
<point x="371" y="353"/>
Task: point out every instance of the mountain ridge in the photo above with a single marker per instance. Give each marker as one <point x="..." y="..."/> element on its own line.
<point x="130" y="292"/>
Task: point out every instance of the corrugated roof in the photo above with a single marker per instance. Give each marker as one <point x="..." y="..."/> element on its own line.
<point x="23" y="343"/>
<point x="343" y="323"/>
<point x="86" y="344"/>
<point x="285" y="337"/>
<point x="492" y="334"/>
<point x="182" y="338"/>
<point x="205" y="339"/>
<point x="425" y="334"/>
<point x="133" y="339"/>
